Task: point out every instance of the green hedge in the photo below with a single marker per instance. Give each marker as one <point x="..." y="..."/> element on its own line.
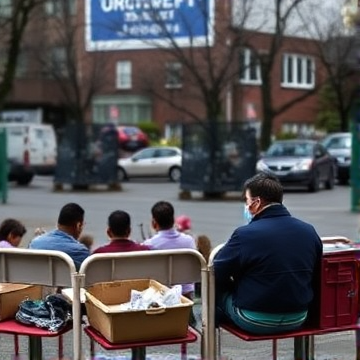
<point x="151" y="129"/>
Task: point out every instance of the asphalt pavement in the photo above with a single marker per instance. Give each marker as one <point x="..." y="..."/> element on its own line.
<point x="38" y="205"/>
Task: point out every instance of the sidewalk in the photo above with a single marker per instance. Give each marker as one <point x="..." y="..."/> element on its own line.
<point x="337" y="346"/>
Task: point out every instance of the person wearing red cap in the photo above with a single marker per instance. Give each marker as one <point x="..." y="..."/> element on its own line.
<point x="183" y="223"/>
<point x="203" y="243"/>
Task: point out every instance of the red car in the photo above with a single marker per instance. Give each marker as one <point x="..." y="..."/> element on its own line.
<point x="131" y="138"/>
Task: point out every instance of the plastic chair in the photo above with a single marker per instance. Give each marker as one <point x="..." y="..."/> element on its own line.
<point x="168" y="267"/>
<point x="40" y="267"/>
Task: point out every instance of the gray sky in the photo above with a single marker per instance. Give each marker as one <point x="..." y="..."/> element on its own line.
<point x="308" y="19"/>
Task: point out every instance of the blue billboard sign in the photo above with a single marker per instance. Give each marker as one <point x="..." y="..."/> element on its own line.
<point x="141" y="24"/>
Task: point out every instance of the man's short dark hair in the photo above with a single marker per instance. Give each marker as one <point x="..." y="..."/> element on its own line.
<point x="119" y="223"/>
<point x="71" y="214"/>
<point x="11" y="226"/>
<point x="266" y="186"/>
<point x="163" y="214"/>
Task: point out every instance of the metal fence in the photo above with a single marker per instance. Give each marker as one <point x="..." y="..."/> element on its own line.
<point x="87" y="154"/>
<point x="217" y="157"/>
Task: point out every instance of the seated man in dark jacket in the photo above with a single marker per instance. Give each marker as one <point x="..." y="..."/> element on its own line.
<point x="264" y="274"/>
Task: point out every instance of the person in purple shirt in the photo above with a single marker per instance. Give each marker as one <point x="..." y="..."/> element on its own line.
<point x="11" y="233"/>
<point x="167" y="237"/>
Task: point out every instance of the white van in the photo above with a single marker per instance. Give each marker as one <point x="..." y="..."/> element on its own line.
<point x="31" y="149"/>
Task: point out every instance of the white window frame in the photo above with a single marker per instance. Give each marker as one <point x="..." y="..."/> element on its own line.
<point x="245" y="73"/>
<point x="298" y="71"/>
<point x="298" y="128"/>
<point x="173" y="75"/>
<point x="123" y="74"/>
<point x="56" y="7"/>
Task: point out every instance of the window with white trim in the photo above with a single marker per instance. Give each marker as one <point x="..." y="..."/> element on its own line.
<point x="60" y="7"/>
<point x="174" y="75"/>
<point x="123" y="75"/>
<point x="249" y="67"/>
<point x="298" y="71"/>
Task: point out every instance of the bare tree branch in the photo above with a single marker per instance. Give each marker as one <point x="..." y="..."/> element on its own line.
<point x="13" y="22"/>
<point x="79" y="78"/>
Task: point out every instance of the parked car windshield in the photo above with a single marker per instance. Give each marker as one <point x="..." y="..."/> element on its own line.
<point x="129" y="130"/>
<point x="338" y="142"/>
<point x="290" y="149"/>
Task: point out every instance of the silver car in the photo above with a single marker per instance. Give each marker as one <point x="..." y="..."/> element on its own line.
<point x="300" y="163"/>
<point x="162" y="161"/>
<point x="339" y="146"/>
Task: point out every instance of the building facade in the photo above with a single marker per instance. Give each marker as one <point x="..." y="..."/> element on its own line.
<point x="75" y="61"/>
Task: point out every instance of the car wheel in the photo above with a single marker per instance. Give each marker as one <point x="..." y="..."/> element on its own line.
<point x="314" y="185"/>
<point x="330" y="182"/>
<point x="175" y="174"/>
<point x="122" y="176"/>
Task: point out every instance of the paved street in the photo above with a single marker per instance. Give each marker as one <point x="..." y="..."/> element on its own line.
<point x="38" y="205"/>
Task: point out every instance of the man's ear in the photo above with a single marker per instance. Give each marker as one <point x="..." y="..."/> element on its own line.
<point x="128" y="231"/>
<point x="154" y="224"/>
<point x="79" y="227"/>
<point x="109" y="233"/>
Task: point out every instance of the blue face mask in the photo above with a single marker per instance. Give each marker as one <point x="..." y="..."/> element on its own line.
<point x="248" y="216"/>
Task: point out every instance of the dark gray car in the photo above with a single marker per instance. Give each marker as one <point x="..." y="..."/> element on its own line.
<point x="300" y="163"/>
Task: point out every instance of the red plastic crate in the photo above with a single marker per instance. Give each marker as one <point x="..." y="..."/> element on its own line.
<point x="339" y="288"/>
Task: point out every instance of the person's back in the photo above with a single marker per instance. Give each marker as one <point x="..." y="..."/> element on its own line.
<point x="118" y="231"/>
<point x="267" y="268"/>
<point x="275" y="263"/>
<point x="167" y="237"/>
<point x="65" y="237"/>
<point x="170" y="239"/>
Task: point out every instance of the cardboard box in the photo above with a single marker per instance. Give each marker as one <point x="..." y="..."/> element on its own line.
<point x="11" y="296"/>
<point x="136" y="325"/>
<point x="339" y="289"/>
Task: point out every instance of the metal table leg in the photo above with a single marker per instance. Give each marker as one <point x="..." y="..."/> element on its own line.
<point x="138" y="353"/>
<point x="35" y="348"/>
<point x="303" y="348"/>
